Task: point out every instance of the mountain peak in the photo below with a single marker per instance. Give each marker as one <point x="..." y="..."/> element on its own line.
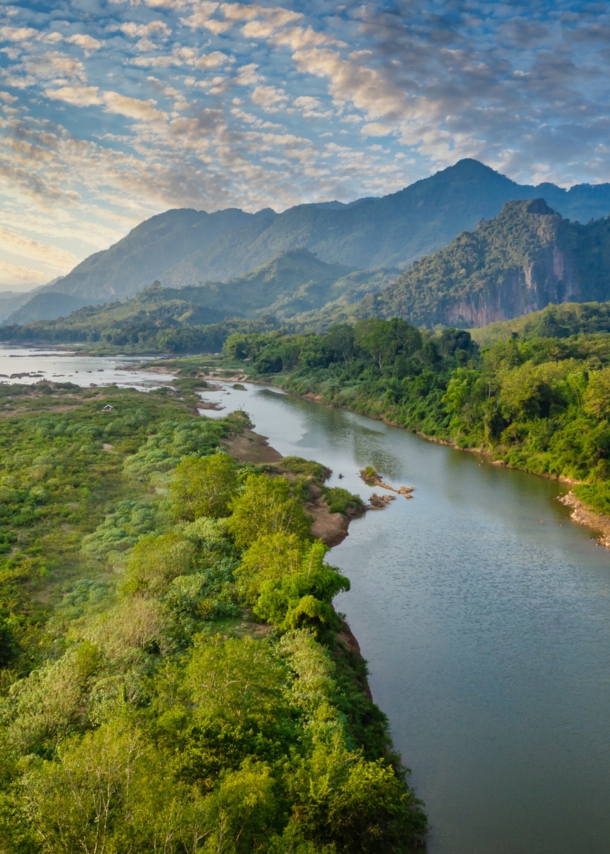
<point x="469" y="167"/>
<point x="539" y="206"/>
<point x="186" y="247"/>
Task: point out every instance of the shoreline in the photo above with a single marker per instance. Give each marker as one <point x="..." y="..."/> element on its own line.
<point x="597" y="523"/>
<point x="580" y="514"/>
<point x="252" y="447"/>
<point x="331" y="528"/>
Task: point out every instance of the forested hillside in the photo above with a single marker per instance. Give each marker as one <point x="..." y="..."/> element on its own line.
<point x="540" y="403"/>
<point x="293" y="282"/>
<point x="172" y="674"/>
<point x="519" y="262"/>
<point x="187" y="247"/>
<point x="555" y="321"/>
<point x="171" y="319"/>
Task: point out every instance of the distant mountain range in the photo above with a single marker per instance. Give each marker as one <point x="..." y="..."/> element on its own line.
<point x="519" y="262"/>
<point x="292" y="282"/>
<point x="188" y="247"/>
<point x="503" y="254"/>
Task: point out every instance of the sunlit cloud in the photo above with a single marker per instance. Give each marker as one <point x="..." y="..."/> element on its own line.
<point x="20" y="278"/>
<point x="112" y="115"/>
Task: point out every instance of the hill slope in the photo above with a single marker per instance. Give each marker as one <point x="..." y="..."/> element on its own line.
<point x="519" y="262"/>
<point x="45" y="306"/>
<point x="554" y="321"/>
<point x="148" y="251"/>
<point x="294" y="281"/>
<point x="186" y="247"/>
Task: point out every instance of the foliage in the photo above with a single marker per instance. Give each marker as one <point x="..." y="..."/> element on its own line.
<point x="203" y="487"/>
<point x="341" y="501"/>
<point x="266" y="507"/>
<point x="507" y="260"/>
<point x="100" y="332"/>
<point x="554" y="321"/>
<point x="537" y="403"/>
<point x="171" y="677"/>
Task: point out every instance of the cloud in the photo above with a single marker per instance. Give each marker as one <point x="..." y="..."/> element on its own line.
<point x="213" y="59"/>
<point x="247" y="75"/>
<point x="87" y="42"/>
<point x="23" y="278"/>
<point x="376" y="129"/>
<point x="525" y="88"/>
<point x="154" y="29"/>
<point x="19" y="244"/>
<point x="46" y="66"/>
<point x="310" y="107"/>
<point x="132" y="108"/>
<point x="120" y="105"/>
<point x="80" y="96"/>
<point x="270" y="98"/>
<point x="17" y="34"/>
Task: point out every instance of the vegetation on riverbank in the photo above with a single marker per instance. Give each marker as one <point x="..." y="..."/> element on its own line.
<point x="537" y="403"/>
<point x="171" y="673"/>
<point x="98" y="331"/>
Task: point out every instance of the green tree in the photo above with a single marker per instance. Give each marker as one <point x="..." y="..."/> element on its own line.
<point x="155" y="561"/>
<point x="266" y="507"/>
<point x="270" y="557"/>
<point x="203" y="487"/>
<point x="302" y="598"/>
<point x="597" y="395"/>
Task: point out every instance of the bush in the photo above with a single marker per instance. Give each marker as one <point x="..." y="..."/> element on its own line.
<point x="203" y="487"/>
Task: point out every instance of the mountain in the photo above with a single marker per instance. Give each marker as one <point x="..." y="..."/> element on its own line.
<point x="554" y="321"/>
<point x="517" y="263"/>
<point x="44" y="306"/>
<point x="149" y="250"/>
<point x="294" y="281"/>
<point x="186" y="247"/>
<point x="10" y="301"/>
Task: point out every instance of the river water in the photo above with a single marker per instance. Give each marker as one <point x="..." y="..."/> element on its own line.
<point x="484" y="614"/>
<point x="31" y="365"/>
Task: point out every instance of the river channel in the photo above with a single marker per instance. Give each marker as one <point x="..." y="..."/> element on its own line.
<point x="484" y="614"/>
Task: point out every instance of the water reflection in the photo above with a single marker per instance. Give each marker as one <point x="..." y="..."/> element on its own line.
<point x="29" y="366"/>
<point x="485" y="616"/>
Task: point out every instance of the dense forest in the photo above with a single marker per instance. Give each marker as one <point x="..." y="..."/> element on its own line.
<point x="144" y="334"/>
<point x="173" y="677"/>
<point x="536" y="402"/>
<point x="514" y="264"/>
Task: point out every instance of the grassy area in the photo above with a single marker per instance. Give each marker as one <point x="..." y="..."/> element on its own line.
<point x="169" y="654"/>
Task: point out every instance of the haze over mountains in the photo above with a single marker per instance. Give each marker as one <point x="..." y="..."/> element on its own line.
<point x="313" y="263"/>
<point x="186" y="247"/>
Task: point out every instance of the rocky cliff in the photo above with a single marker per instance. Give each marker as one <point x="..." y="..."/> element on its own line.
<point x="519" y="262"/>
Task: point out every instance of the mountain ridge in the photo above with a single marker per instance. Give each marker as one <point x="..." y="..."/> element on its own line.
<point x="519" y="262"/>
<point x="186" y="247"/>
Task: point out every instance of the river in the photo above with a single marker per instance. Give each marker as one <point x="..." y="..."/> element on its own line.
<point x="484" y="614"/>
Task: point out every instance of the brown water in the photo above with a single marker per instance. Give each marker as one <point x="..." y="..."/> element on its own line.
<point x="484" y="614"/>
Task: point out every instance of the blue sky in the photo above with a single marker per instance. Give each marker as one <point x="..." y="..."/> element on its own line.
<point x="114" y="110"/>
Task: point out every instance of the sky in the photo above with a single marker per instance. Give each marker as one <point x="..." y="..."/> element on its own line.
<point x="112" y="111"/>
